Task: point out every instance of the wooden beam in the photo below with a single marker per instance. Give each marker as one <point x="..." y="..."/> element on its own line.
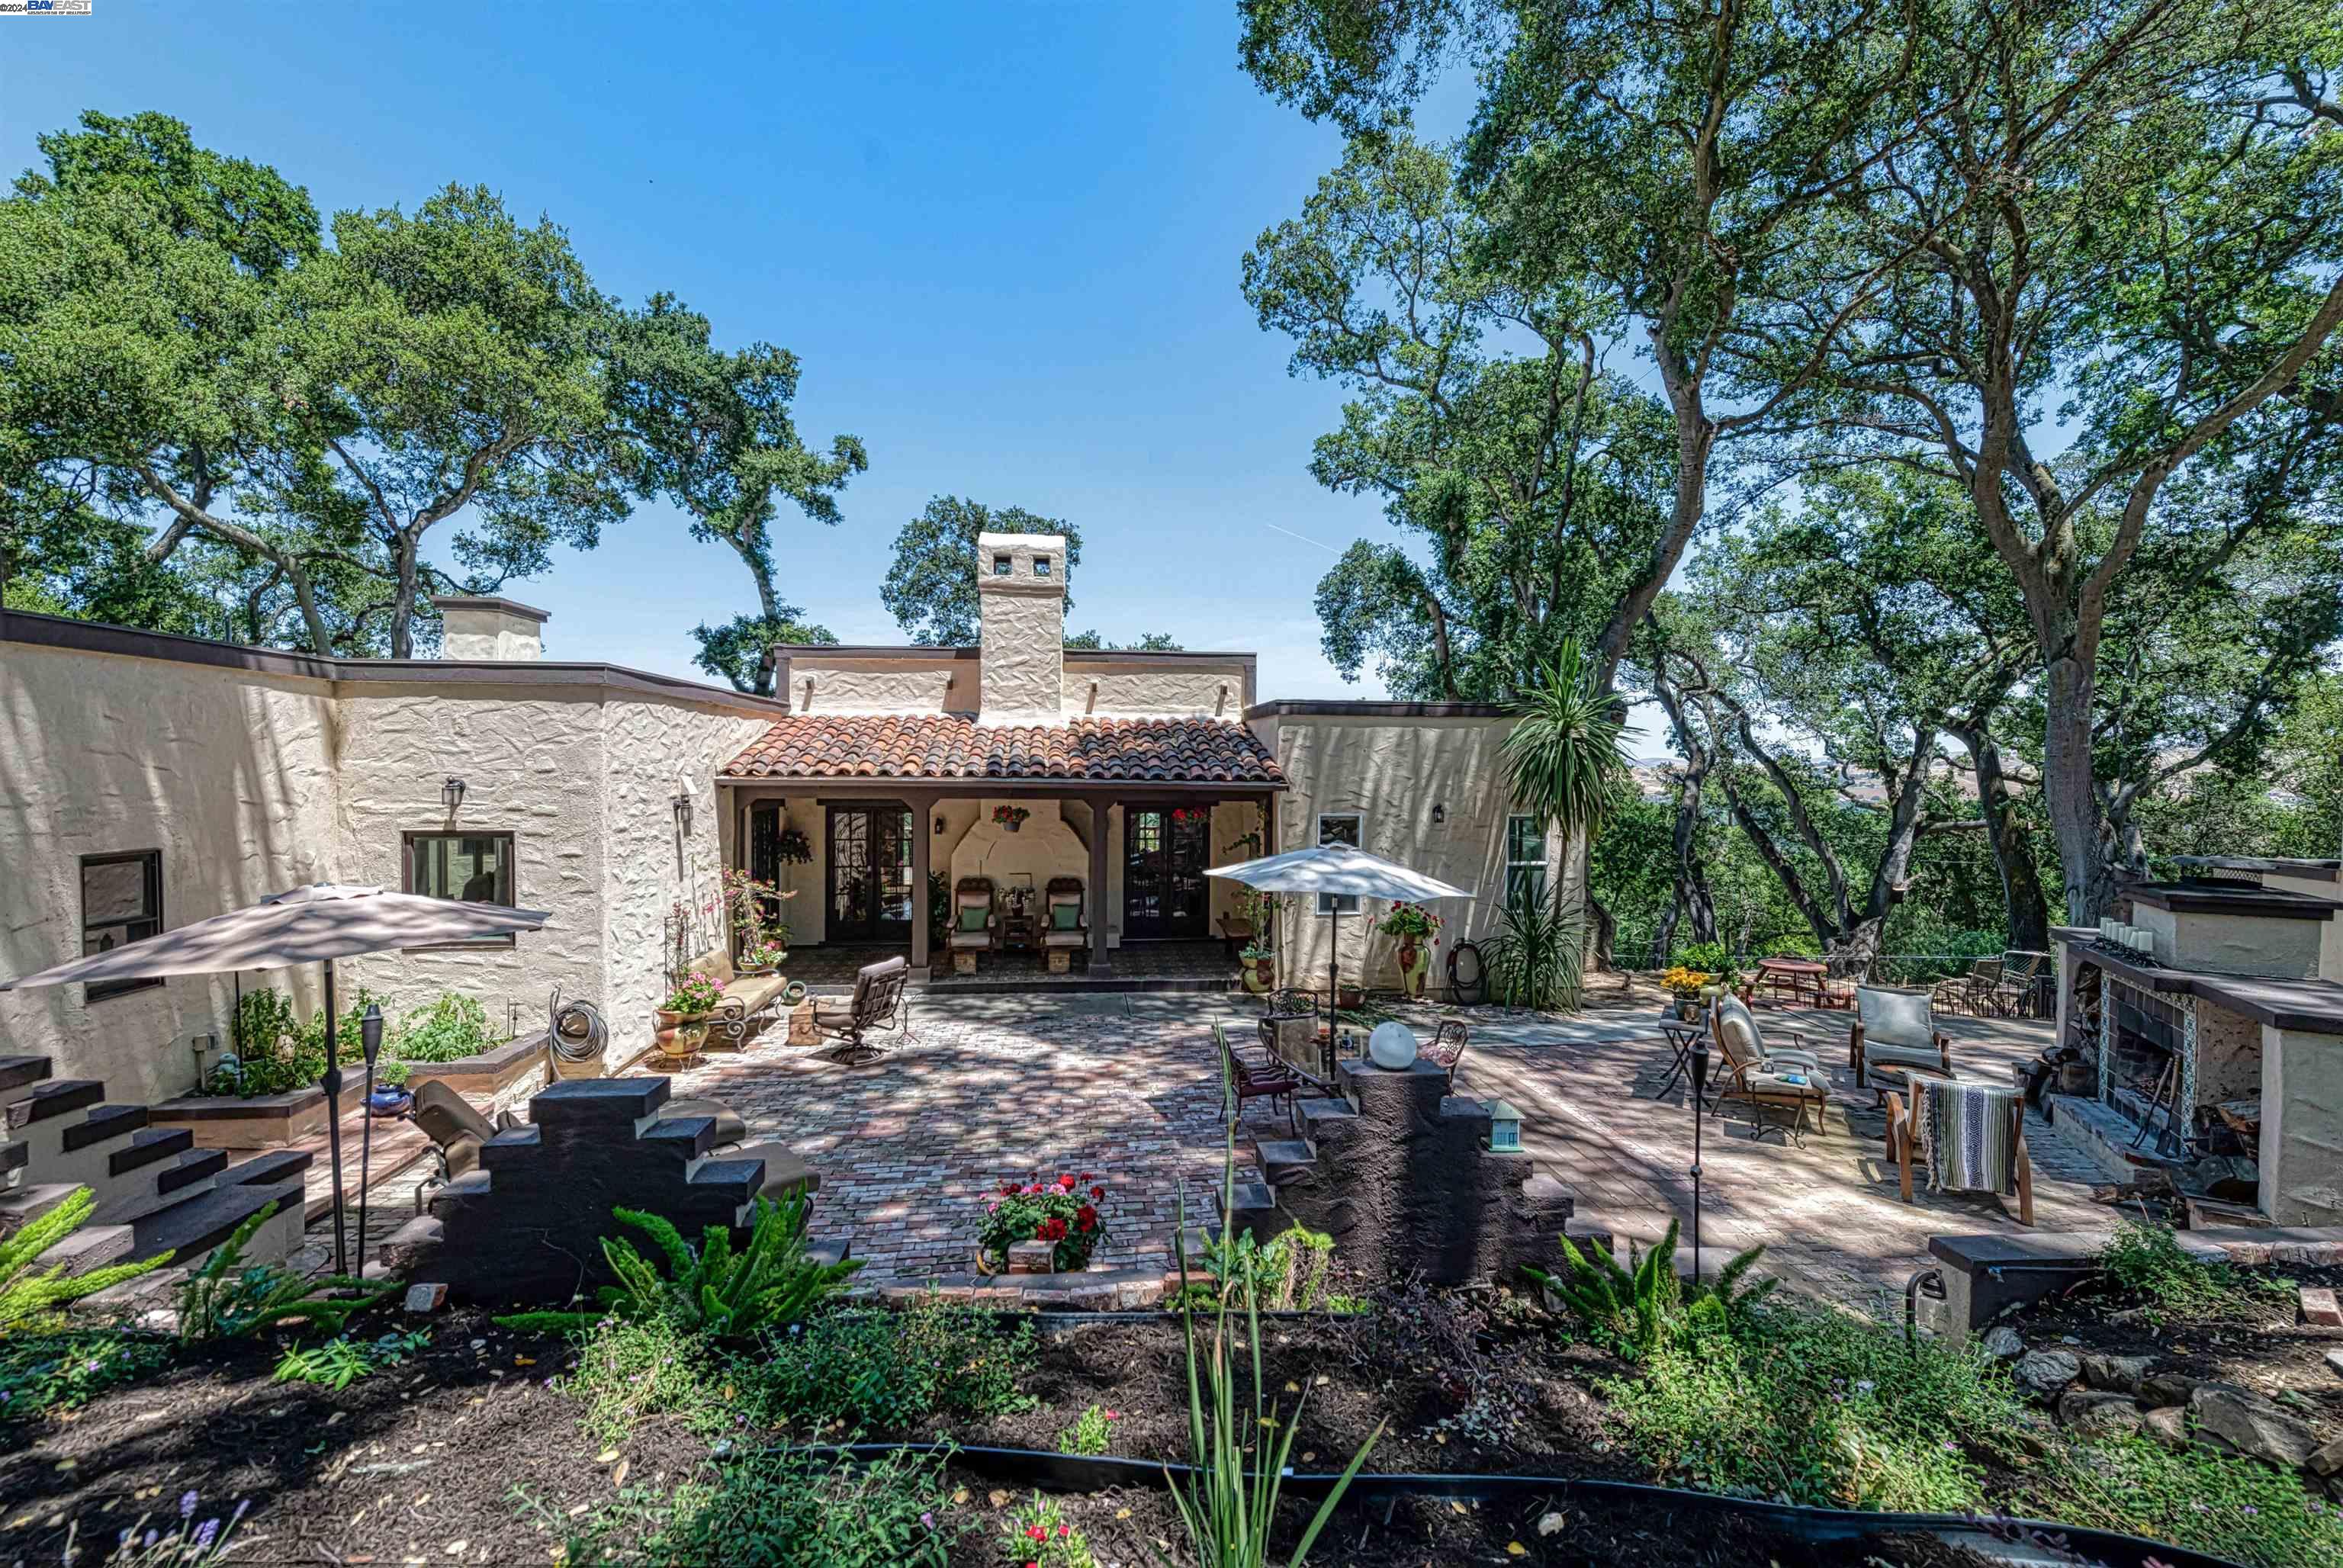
<point x="923" y="837"/>
<point x="1102" y="830"/>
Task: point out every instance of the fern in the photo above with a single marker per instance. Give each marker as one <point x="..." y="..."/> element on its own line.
<point x="32" y="1302"/>
<point x="227" y="1299"/>
<point x="1637" y="1310"/>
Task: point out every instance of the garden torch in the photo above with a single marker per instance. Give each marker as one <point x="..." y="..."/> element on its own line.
<point x="1699" y="1090"/>
<point x="370" y="1035"/>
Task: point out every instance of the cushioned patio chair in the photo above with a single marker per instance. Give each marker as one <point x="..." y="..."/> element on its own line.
<point x="1896" y="1028"/>
<point x="1963" y="1137"/>
<point x="456" y="1126"/>
<point x="877" y="1003"/>
<point x="974" y="926"/>
<point x="1766" y="1076"/>
<point x="1271" y="1083"/>
<point x="1064" y="931"/>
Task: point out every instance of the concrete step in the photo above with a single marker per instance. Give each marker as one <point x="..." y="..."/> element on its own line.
<point x="24" y="1205"/>
<point x="129" y="1208"/>
<point x="12" y="1155"/>
<point x="267" y="1170"/>
<point x="22" y="1072"/>
<point x="194" y="1165"/>
<point x="190" y="1230"/>
<point x="55" y="1098"/>
<point x="1283" y="1158"/>
<point x="103" y="1123"/>
<point x="147" y="1146"/>
<point x="1317" y="1116"/>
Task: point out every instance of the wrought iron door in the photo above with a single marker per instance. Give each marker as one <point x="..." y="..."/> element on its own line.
<point x="869" y="885"/>
<point x="1165" y="851"/>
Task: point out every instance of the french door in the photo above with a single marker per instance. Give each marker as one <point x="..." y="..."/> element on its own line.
<point x="868" y="885"/>
<point x="1165" y="851"/>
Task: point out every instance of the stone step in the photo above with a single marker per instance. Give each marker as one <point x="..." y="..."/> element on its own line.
<point x="12" y="1155"/>
<point x="192" y="1229"/>
<point x="57" y="1096"/>
<point x="104" y="1123"/>
<point x="278" y="1165"/>
<point x="1246" y="1197"/>
<point x="194" y="1165"/>
<point x="1281" y="1157"/>
<point x="131" y="1206"/>
<point x="147" y="1145"/>
<point x="1319" y="1115"/>
<point x="21" y="1206"/>
<point x="22" y="1072"/>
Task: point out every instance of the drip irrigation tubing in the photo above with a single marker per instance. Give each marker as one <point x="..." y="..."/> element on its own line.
<point x="2013" y="1540"/>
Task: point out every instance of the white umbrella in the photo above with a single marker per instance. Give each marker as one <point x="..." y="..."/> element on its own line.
<point x="316" y="924"/>
<point x="1338" y="869"/>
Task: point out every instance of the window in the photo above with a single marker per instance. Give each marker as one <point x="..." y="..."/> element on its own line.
<point x="476" y="867"/>
<point x="121" y="901"/>
<point x="1340" y="828"/>
<point x="1524" y="861"/>
<point x="1000" y="566"/>
<point x="1040" y="565"/>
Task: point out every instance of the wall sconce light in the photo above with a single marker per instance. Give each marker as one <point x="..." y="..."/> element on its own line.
<point x="682" y="804"/>
<point x="940" y="827"/>
<point x="1439" y="813"/>
<point x="451" y="795"/>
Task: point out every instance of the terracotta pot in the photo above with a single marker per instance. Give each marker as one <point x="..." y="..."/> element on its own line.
<point x="1260" y="975"/>
<point x="683" y="1033"/>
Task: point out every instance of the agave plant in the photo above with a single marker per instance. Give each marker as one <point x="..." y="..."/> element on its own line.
<point x="1538" y="957"/>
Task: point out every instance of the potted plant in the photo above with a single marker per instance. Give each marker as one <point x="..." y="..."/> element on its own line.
<point x="1686" y="985"/>
<point x="1011" y="817"/>
<point x="764" y="957"/>
<point x="683" y="1017"/>
<point x="1418" y="931"/>
<point x="793" y="849"/>
<point x="1063" y="1212"/>
<point x="390" y="1095"/>
<point x="1259" y="971"/>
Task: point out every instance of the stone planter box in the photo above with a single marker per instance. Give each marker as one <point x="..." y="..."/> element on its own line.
<point x="252" y="1121"/>
<point x="495" y="1080"/>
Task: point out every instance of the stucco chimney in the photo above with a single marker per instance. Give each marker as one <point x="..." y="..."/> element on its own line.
<point x="491" y="628"/>
<point x="1021" y="586"/>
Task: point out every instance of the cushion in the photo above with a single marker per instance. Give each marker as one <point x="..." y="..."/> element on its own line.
<point x="1902" y="1056"/>
<point x="784" y="1171"/>
<point x="1737" y="1031"/>
<point x="972" y="917"/>
<point x="1779" y="1083"/>
<point x="445" y="1115"/>
<point x="1065" y="916"/>
<point x="1893" y="1017"/>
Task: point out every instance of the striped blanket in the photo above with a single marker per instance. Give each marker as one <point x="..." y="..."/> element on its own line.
<point x="1968" y="1135"/>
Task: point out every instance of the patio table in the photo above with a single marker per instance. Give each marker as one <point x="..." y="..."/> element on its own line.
<point x="1801" y="978"/>
<point x="1681" y="1038"/>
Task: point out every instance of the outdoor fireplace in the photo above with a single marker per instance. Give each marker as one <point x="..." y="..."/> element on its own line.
<point x="2148" y="1062"/>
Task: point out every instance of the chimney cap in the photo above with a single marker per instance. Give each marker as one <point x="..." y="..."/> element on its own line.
<point x="489" y="602"/>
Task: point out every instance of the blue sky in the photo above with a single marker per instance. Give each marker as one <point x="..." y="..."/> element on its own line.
<point x="1003" y="240"/>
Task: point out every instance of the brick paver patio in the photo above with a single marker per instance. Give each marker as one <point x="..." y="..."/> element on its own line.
<point x="1125" y="1087"/>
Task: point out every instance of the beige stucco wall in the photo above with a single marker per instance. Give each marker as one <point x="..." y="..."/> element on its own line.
<point x="2302" y="1128"/>
<point x="1043" y="847"/>
<point x="1208" y="688"/>
<point x="911" y="681"/>
<point x="1392" y="772"/>
<point x="1024" y="635"/>
<point x="230" y="777"/>
<point x="2330" y="945"/>
<point x="2233" y="943"/>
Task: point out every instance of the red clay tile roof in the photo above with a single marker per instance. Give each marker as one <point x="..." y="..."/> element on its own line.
<point x="953" y="745"/>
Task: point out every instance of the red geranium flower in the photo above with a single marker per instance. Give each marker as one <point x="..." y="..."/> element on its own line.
<point x="1086" y="1216"/>
<point x="1067" y="1182"/>
<point x="1051" y="1230"/>
<point x="1035" y="1532"/>
<point x="1098" y="1192"/>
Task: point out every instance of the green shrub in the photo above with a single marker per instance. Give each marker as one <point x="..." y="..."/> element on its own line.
<point x="1038" y="1536"/>
<point x="1814" y="1406"/>
<point x="62" y="1371"/>
<point x="30" y="1301"/>
<point x="340" y="1363"/>
<point x="225" y="1300"/>
<point x="1091" y="1432"/>
<point x="2222" y="1504"/>
<point x="886" y="1370"/>
<point x="1709" y="957"/>
<point x="1634" y="1311"/>
<point x="446" y="1029"/>
<point x="2147" y="1260"/>
<point x="778" y="1509"/>
<point x="629" y="1370"/>
<point x="1288" y="1275"/>
<point x="709" y="1289"/>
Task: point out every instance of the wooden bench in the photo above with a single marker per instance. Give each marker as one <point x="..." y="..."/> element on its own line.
<point x="749" y="1000"/>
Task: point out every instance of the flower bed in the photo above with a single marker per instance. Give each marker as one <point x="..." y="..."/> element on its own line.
<point x="1062" y="1213"/>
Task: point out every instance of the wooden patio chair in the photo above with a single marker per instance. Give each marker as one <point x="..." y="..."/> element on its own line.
<point x="2019" y="973"/>
<point x="1967" y="991"/>
<point x="1247" y="1083"/>
<point x="1766" y="1077"/>
<point x="1992" y="1103"/>
<point x="877" y="1003"/>
<point x="975" y="924"/>
<point x="1896" y="1028"/>
<point x="1065" y="929"/>
<point x="1447" y="1049"/>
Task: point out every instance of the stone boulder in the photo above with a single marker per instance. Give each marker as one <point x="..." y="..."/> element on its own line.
<point x="2253" y="1424"/>
<point x="2168" y="1426"/>
<point x="2115" y="1374"/>
<point x="2004" y="1343"/>
<point x="2047" y="1371"/>
<point x="2099" y="1415"/>
<point x="2167" y="1388"/>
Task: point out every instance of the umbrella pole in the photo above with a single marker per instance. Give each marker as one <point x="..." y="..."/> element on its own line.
<point x="334" y="1119"/>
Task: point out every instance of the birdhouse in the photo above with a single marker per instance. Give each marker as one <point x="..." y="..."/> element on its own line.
<point x="1504" y="1129"/>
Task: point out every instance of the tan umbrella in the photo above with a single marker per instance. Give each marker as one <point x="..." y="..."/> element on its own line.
<point x="316" y="924"/>
<point x="1338" y="869"/>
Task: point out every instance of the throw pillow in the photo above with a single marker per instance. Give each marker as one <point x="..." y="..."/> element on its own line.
<point x="972" y="917"/>
<point x="1065" y="916"/>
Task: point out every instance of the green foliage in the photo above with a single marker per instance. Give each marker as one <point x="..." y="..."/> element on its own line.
<point x="1637" y="1308"/>
<point x="631" y="1369"/>
<point x="32" y="1301"/>
<point x="930" y="587"/>
<point x="225" y="1300"/>
<point x="1092" y="1433"/>
<point x="740" y="650"/>
<point x="340" y="1363"/>
<point x="193" y="1543"/>
<point x="2146" y="1259"/>
<point x="776" y="1508"/>
<point x="277" y="1053"/>
<point x="1811" y="1405"/>
<point x="1038" y="1536"/>
<point x="449" y="1028"/>
<point x="1538" y="957"/>
<point x="1286" y="1274"/>
<point x="712" y="1291"/>
<point x="1563" y="757"/>
<point x="42" y="1372"/>
<point x="2223" y="1504"/>
<point x="1709" y="957"/>
<point x="889" y="1370"/>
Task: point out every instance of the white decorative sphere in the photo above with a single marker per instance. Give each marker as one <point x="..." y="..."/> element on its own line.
<point x="1391" y="1045"/>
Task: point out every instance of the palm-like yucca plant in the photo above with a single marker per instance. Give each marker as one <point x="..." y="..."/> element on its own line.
<point x="1562" y="756"/>
<point x="1538" y="957"/>
<point x="30" y="1301"/>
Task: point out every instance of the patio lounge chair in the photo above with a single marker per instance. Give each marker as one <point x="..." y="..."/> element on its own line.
<point x="1967" y="1137"/>
<point x="877" y="1003"/>
<point x="1968" y="991"/>
<point x="454" y="1126"/>
<point x="1896" y="1028"/>
<point x="1766" y="1077"/>
<point x="974" y="925"/>
<point x="1446" y="1049"/>
<point x="1272" y="1084"/>
<point x="1064" y="931"/>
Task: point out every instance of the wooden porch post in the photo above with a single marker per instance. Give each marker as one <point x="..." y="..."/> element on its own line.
<point x="923" y="833"/>
<point x="1100" y="910"/>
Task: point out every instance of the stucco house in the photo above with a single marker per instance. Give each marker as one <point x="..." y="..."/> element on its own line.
<point x="148" y="781"/>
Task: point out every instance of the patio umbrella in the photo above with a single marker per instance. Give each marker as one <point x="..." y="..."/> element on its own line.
<point x="1338" y="869"/>
<point x="316" y="924"/>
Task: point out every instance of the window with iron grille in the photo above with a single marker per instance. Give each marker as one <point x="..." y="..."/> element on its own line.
<point x="121" y="902"/>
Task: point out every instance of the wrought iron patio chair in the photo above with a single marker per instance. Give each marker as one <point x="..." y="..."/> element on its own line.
<point x="877" y="1002"/>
